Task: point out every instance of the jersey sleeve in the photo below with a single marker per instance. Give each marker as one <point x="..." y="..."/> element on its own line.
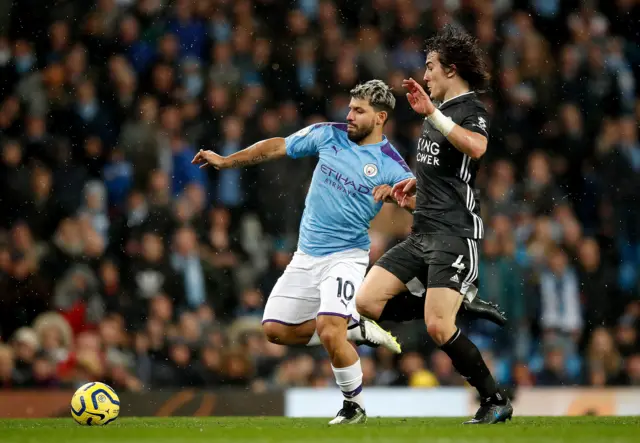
<point x="305" y="142"/>
<point x="396" y="169"/>
<point x="477" y="121"/>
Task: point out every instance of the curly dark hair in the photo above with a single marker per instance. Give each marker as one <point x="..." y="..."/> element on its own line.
<point x="455" y="47"/>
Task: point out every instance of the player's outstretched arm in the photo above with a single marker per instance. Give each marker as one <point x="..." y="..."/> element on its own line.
<point x="259" y="152"/>
<point x="465" y="141"/>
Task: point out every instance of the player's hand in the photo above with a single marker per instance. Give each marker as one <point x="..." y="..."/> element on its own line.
<point x="418" y="98"/>
<point x="404" y="190"/>
<point x="383" y="193"/>
<point x="209" y="158"/>
<point x="409" y="202"/>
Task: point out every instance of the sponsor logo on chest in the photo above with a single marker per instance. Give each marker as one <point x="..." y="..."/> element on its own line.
<point x="428" y="152"/>
<point x="342" y="182"/>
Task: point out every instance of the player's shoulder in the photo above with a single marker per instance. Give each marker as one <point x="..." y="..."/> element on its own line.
<point x="465" y="104"/>
<point x="322" y="127"/>
<point x="339" y="128"/>
<point x="474" y="103"/>
<point x="334" y="125"/>
<point x="390" y="154"/>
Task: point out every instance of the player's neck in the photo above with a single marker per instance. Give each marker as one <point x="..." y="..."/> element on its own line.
<point x="371" y="139"/>
<point x="455" y="90"/>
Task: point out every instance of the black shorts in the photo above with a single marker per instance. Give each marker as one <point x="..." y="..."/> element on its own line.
<point x="434" y="261"/>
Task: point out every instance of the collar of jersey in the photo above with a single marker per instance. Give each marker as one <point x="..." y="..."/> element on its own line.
<point x="455" y="98"/>
<point x="371" y="145"/>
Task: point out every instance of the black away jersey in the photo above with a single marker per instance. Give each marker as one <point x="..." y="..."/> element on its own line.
<point x="446" y="202"/>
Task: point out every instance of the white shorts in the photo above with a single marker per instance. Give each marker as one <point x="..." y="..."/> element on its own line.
<point x="312" y="286"/>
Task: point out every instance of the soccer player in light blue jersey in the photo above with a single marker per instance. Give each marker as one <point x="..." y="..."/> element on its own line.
<point x="312" y="301"/>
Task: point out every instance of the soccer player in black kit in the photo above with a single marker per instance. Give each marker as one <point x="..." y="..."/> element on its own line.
<point x="442" y="250"/>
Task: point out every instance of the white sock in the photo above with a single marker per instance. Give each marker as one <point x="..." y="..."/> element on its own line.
<point x="354" y="333"/>
<point x="353" y="312"/>
<point x="350" y="381"/>
<point x="315" y="340"/>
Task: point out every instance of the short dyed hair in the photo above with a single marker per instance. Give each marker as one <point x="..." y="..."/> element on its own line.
<point x="378" y="93"/>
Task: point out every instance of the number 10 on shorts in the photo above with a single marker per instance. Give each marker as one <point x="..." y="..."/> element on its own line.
<point x="346" y="290"/>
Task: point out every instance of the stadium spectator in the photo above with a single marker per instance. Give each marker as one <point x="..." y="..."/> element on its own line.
<point x="119" y="260"/>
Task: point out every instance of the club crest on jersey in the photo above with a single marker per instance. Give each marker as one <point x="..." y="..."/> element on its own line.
<point x="370" y="170"/>
<point x="482" y="124"/>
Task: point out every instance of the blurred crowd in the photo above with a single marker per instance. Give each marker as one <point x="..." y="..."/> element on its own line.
<point x="120" y="261"/>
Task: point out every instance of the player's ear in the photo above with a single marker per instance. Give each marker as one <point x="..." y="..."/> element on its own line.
<point x="450" y="71"/>
<point x="382" y="117"/>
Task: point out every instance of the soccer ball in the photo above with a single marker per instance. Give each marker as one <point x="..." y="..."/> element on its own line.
<point x="95" y="404"/>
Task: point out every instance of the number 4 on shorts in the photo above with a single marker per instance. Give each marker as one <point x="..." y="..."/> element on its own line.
<point x="458" y="264"/>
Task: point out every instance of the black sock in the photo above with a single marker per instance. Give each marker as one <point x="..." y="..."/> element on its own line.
<point x="403" y="307"/>
<point x="468" y="361"/>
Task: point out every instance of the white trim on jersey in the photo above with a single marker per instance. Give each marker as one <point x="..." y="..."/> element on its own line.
<point x="453" y="98"/>
<point x="465" y="175"/>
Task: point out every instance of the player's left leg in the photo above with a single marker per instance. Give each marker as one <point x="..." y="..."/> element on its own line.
<point x="441" y="308"/>
<point x="340" y="279"/>
<point x="345" y="363"/>
<point x="453" y="270"/>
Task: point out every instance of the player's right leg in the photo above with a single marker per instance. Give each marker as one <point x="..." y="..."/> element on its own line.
<point x="379" y="287"/>
<point x="284" y="324"/>
<point x="393" y="289"/>
<point x="288" y="334"/>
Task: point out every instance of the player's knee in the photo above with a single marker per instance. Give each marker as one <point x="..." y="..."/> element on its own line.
<point x="331" y="335"/>
<point x="274" y="332"/>
<point x="440" y="329"/>
<point x="330" y="338"/>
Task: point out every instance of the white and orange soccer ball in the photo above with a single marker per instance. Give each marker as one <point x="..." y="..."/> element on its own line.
<point x="95" y="404"/>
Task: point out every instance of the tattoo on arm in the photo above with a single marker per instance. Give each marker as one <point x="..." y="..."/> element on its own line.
<point x="252" y="161"/>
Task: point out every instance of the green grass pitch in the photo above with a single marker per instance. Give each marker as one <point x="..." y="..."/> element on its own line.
<point x="284" y="430"/>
